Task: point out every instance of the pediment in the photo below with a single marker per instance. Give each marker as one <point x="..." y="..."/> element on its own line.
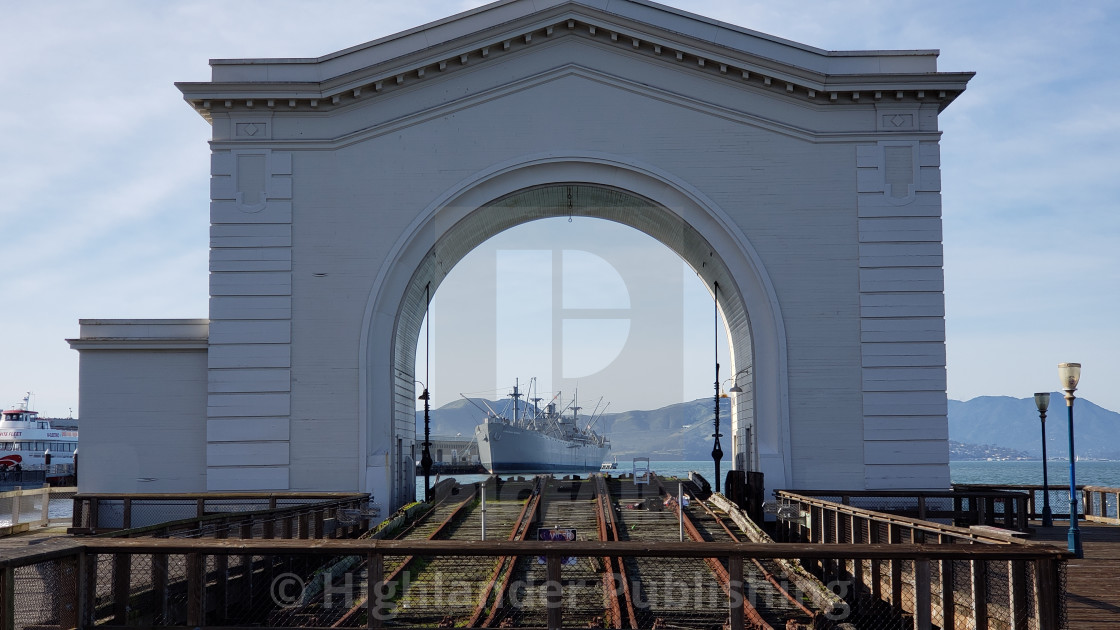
<point x="753" y="60"/>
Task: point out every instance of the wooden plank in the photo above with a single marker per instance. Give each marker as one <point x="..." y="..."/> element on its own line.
<point x="250" y="380"/>
<point x="250" y="283"/>
<point x="251" y="306"/>
<point x="250" y="331"/>
<point x="249" y="355"/>
<point x="880" y="279"/>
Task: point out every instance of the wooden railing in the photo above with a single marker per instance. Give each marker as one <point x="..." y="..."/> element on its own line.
<point x="967" y="507"/>
<point x="118" y="582"/>
<point x="911" y="583"/>
<point x="21" y="510"/>
<point x="99" y="513"/>
<point x="1095" y="503"/>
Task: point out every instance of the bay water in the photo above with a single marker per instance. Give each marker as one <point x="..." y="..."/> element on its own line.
<point x="1089" y="473"/>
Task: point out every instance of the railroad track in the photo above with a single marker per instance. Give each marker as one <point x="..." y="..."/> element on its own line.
<point x="607" y="592"/>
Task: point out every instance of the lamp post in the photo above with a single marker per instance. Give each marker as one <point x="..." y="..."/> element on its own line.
<point x="426" y="455"/>
<point x="1069" y="374"/>
<point x="1042" y="401"/>
<point x="717" y="451"/>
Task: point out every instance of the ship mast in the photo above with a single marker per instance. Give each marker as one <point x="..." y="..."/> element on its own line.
<point x="516" y="396"/>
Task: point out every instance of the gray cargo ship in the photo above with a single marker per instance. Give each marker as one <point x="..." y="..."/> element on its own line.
<point x="540" y="440"/>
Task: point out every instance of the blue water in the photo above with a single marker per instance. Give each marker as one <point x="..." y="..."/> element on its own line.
<point x="1088" y="473"/>
<point x="1091" y="473"/>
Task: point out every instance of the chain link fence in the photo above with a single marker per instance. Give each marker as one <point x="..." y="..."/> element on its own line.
<point x="192" y="582"/>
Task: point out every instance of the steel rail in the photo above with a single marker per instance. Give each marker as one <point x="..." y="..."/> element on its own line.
<point x="753" y="617"/>
<point x="765" y="573"/>
<point x="608" y="531"/>
<point x="519" y="531"/>
<point x="360" y="605"/>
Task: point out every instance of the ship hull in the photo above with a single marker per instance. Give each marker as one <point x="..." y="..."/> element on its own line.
<point x="504" y="448"/>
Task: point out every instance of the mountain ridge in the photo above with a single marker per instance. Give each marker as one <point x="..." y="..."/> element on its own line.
<point x="683" y="431"/>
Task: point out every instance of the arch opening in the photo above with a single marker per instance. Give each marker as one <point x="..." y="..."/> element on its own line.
<point x="455" y="227"/>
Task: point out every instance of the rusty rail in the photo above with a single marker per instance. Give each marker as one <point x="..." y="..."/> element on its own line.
<point x="608" y="531"/>
<point x="753" y="618"/>
<point x="507" y="563"/>
<point x="359" y="606"/>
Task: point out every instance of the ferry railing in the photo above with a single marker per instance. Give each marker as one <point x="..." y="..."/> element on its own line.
<point x="985" y="506"/>
<point x="153" y="582"/>
<point x="21" y="510"/>
<point x="97" y="513"/>
<point x="965" y="591"/>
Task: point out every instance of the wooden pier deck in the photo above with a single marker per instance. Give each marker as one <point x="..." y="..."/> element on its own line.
<point x="1092" y="583"/>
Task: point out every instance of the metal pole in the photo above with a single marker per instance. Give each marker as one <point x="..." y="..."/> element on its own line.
<point x="717" y="451"/>
<point x="680" y="507"/>
<point x="426" y="457"/>
<point x="1074" y="536"/>
<point x="483" y="511"/>
<point x="1047" y="516"/>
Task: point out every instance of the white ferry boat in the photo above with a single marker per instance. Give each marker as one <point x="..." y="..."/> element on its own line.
<point x="26" y="439"/>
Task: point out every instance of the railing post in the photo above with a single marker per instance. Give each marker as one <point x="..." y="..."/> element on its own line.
<point x="1048" y="593"/>
<point x="87" y="593"/>
<point x="979" y="593"/>
<point x="78" y="509"/>
<point x="160" y="587"/>
<point x="922" y="507"/>
<point x="375" y="589"/>
<point x="553" y="590"/>
<point x="894" y="537"/>
<point x="948" y="584"/>
<point x="923" y="617"/>
<point x="94" y="514"/>
<point x="221" y="570"/>
<point x="45" y="517"/>
<point x="1017" y="590"/>
<point x="69" y="572"/>
<point x="7" y="598"/>
<point x="122" y="582"/>
<point x="304" y="524"/>
<point x="735" y="590"/>
<point x="873" y="538"/>
<point x="17" y="499"/>
<point x="196" y="589"/>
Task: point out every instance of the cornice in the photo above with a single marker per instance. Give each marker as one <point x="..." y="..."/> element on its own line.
<point x="734" y="65"/>
<point x="567" y="70"/>
<point x="136" y="343"/>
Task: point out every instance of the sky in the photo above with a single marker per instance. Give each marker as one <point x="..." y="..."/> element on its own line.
<point x="104" y="169"/>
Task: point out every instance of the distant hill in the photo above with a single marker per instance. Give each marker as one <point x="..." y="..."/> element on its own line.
<point x="684" y="431"/>
<point x="677" y="432"/>
<point x="1013" y="423"/>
